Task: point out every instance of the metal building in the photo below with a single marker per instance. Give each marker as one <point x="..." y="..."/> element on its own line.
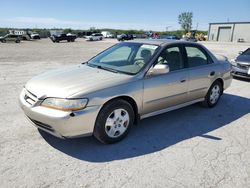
<point x="229" y="32"/>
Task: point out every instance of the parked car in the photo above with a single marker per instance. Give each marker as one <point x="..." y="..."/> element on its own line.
<point x="107" y="34"/>
<point x="169" y="37"/>
<point x="61" y="37"/>
<point x="9" y="38"/>
<point x="123" y="37"/>
<point x="35" y="36"/>
<point x="190" y="39"/>
<point x="94" y="37"/>
<point x="127" y="82"/>
<point x="241" y="64"/>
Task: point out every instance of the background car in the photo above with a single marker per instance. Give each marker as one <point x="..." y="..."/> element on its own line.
<point x="190" y="39"/>
<point x="35" y="36"/>
<point x="9" y="38"/>
<point x="95" y="37"/>
<point x="123" y="37"/>
<point x="62" y="37"/>
<point x="107" y="34"/>
<point x="169" y="37"/>
<point x="241" y="64"/>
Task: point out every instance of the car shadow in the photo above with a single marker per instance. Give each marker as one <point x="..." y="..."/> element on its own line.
<point x="158" y="132"/>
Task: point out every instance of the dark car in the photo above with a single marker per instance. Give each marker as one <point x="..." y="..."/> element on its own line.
<point x="169" y="37"/>
<point x="241" y="64"/>
<point x="9" y="38"/>
<point x="190" y="39"/>
<point x="61" y="37"/>
<point x="123" y="37"/>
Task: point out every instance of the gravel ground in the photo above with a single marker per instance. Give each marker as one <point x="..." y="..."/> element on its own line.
<point x="189" y="147"/>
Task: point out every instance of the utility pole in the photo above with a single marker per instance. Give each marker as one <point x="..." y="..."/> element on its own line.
<point x="197" y="25"/>
<point x="168" y="27"/>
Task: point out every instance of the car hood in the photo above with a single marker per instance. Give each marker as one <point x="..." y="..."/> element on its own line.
<point x="243" y="58"/>
<point x="80" y="79"/>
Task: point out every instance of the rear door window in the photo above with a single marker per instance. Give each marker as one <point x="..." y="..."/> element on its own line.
<point x="196" y="57"/>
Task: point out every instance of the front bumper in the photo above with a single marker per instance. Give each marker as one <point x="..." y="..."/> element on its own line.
<point x="240" y="72"/>
<point x="60" y="123"/>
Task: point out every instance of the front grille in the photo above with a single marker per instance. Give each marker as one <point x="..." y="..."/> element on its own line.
<point x="242" y="74"/>
<point x="30" y="98"/>
<point x="243" y="66"/>
<point x="42" y="125"/>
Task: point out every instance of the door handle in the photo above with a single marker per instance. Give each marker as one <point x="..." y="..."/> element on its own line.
<point x="212" y="73"/>
<point x="182" y="81"/>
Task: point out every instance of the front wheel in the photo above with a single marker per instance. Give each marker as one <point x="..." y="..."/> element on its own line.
<point x="114" y="121"/>
<point x="213" y="95"/>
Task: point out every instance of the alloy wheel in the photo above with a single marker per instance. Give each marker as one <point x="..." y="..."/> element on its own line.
<point x="214" y="94"/>
<point x="117" y="123"/>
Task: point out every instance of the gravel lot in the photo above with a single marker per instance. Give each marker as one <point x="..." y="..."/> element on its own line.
<point x="190" y="147"/>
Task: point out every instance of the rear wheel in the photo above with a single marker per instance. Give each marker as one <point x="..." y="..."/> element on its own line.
<point x="114" y="121"/>
<point x="3" y="41"/>
<point x="213" y="94"/>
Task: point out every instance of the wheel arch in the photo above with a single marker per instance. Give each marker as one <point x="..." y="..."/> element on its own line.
<point x="131" y="101"/>
<point x="221" y="81"/>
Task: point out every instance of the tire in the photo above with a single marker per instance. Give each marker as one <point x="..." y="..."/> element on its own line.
<point x="121" y="118"/>
<point x="101" y="38"/>
<point x="68" y="40"/>
<point x="213" y="95"/>
<point x="17" y="41"/>
<point x="3" y="41"/>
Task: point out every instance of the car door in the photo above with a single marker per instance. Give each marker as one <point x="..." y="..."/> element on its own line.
<point x="170" y="89"/>
<point x="201" y="71"/>
<point x="9" y="38"/>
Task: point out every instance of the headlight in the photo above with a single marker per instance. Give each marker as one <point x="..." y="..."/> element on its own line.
<point x="65" y="104"/>
<point x="233" y="62"/>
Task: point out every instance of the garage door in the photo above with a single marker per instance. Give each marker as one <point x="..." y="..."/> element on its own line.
<point x="224" y="34"/>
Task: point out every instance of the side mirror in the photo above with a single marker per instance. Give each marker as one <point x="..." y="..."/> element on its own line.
<point x="159" y="69"/>
<point x="240" y="52"/>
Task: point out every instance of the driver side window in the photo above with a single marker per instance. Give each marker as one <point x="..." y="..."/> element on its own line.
<point x="172" y="57"/>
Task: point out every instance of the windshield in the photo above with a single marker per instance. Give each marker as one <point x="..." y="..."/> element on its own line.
<point x="247" y="52"/>
<point x="124" y="57"/>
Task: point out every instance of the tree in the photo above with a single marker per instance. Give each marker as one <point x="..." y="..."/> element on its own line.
<point x="185" y="20"/>
<point x="67" y="30"/>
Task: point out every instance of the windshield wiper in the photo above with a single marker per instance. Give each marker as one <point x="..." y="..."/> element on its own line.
<point x="106" y="68"/>
<point x="109" y="69"/>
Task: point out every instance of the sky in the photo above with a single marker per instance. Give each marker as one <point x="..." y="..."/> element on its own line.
<point x="156" y="15"/>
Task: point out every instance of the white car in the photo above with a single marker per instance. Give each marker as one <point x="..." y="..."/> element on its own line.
<point x="35" y="36"/>
<point x="95" y="36"/>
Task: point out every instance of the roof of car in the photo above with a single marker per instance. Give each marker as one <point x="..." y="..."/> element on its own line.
<point x="160" y="42"/>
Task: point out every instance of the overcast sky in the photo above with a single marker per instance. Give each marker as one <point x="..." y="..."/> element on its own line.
<point x="157" y="15"/>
